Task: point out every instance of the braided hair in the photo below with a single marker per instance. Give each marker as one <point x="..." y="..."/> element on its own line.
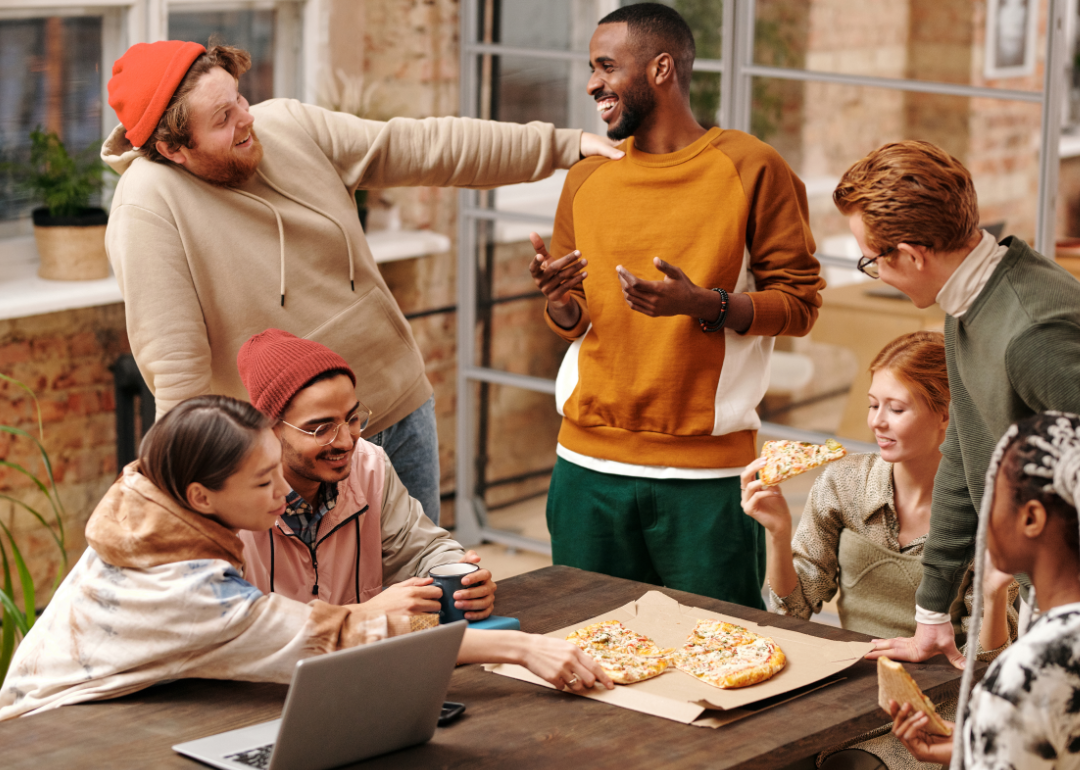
<point x="1040" y="457"/>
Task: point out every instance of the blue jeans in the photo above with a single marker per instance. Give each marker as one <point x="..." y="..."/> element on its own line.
<point x="413" y="447"/>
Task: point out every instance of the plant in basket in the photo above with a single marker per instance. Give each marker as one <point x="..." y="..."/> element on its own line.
<point x="15" y="576"/>
<point x="70" y="234"/>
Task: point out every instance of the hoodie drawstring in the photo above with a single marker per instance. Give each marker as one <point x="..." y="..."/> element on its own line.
<point x="356" y="574"/>
<point x="272" y="558"/>
<point x="280" y="230"/>
<point x="317" y="210"/>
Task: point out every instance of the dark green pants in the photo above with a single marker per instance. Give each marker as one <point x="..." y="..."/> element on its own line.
<point x="683" y="534"/>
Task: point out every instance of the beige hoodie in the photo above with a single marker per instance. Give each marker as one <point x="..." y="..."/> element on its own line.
<point x="160" y="595"/>
<point x="203" y="267"/>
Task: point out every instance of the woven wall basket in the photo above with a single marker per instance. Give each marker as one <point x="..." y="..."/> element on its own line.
<point x="71" y="248"/>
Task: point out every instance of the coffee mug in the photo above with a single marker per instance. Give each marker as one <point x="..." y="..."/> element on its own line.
<point x="448" y="578"/>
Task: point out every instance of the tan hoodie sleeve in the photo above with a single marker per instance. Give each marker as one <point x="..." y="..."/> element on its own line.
<point x="411" y="543"/>
<point x="437" y="152"/>
<point x="151" y="266"/>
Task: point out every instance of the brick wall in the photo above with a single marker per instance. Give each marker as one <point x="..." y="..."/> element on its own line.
<point x="64" y="358"/>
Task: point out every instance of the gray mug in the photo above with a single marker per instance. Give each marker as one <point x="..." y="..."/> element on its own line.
<point x="448" y="578"/>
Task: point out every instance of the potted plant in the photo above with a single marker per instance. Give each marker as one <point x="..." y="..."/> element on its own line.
<point x="70" y="235"/>
<point x="18" y="622"/>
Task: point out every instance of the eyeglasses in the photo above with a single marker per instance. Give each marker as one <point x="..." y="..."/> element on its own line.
<point x="327" y="433"/>
<point x="869" y="265"/>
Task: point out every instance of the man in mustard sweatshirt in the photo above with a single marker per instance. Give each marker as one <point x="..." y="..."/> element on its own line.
<point x="698" y="252"/>
<point x="218" y="232"/>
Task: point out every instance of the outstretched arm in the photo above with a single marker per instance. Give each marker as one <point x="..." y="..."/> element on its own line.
<point x="554" y="660"/>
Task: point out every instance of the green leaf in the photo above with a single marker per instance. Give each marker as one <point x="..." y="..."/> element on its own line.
<point x="7" y="634"/>
<point x="25" y="579"/>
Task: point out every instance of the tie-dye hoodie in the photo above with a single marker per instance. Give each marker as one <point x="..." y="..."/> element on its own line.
<point x="160" y="595"/>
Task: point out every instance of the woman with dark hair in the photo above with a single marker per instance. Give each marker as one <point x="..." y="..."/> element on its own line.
<point x="1024" y="713"/>
<point x="160" y="593"/>
<point x="862" y="534"/>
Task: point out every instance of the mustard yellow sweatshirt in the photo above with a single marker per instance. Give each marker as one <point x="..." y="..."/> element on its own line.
<point x="730" y="212"/>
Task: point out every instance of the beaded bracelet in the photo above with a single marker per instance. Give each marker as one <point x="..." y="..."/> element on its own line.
<point x="718" y="324"/>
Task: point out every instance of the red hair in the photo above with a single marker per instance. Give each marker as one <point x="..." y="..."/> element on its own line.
<point x="918" y="361"/>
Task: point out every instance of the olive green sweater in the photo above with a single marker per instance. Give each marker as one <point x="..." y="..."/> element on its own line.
<point x="1014" y="353"/>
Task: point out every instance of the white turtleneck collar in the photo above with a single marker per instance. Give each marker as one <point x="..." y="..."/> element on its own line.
<point x="969" y="279"/>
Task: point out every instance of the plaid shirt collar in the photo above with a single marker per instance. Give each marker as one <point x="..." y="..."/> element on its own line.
<point x="302" y="518"/>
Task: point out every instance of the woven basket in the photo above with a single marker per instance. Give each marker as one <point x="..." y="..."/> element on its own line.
<point x="69" y="250"/>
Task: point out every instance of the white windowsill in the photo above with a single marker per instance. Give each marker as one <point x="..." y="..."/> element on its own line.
<point x="23" y="294"/>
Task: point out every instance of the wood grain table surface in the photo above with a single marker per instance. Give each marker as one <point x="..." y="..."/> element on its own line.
<point x="508" y="723"/>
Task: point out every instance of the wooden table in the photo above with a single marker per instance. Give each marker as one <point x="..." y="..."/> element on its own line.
<point x="508" y="723"/>
<point x="864" y="324"/>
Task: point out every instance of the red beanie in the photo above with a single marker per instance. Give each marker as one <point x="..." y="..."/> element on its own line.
<point x="274" y="365"/>
<point x="144" y="80"/>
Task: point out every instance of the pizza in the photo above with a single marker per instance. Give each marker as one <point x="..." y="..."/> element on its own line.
<point x="627" y="668"/>
<point x="894" y="683"/>
<point x="784" y="459"/>
<point x="613" y="636"/>
<point x="625" y="655"/>
<point x="728" y="656"/>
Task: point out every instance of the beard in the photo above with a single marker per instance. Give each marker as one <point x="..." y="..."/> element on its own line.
<point x="230" y="169"/>
<point x="305" y="466"/>
<point x="635" y="105"/>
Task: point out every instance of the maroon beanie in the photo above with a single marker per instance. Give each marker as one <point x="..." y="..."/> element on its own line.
<point x="143" y="82"/>
<point x="274" y="365"/>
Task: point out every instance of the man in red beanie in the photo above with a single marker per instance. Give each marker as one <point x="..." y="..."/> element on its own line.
<point x="349" y="526"/>
<point x="218" y="232"/>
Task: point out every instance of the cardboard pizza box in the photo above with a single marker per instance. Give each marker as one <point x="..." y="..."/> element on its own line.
<point x="678" y="696"/>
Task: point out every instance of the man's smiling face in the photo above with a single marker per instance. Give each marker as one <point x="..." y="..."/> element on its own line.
<point x="224" y="149"/>
<point x="618" y="82"/>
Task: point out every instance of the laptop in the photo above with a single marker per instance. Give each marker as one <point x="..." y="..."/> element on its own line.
<point x="347" y="706"/>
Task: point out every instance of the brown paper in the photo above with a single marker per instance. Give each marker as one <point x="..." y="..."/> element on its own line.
<point x="677" y="695"/>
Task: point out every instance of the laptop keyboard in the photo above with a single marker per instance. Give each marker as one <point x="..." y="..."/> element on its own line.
<point x="257" y="757"/>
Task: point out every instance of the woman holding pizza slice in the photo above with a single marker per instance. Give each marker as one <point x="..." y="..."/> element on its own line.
<point x="861" y="536"/>
<point x="1024" y="713"/>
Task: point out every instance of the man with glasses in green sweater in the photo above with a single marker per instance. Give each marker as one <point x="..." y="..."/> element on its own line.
<point x="1012" y="344"/>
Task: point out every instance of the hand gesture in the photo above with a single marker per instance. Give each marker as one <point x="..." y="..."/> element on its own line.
<point x="593" y="144"/>
<point x="909" y="726"/>
<point x="929" y="640"/>
<point x="674" y="295"/>
<point x="766" y="505"/>
<point x="478" y="598"/>
<point x="555" y="278"/>
<point x="562" y="664"/>
<point x="409" y="597"/>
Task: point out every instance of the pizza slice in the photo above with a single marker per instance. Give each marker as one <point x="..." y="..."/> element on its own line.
<point x="718" y="635"/>
<point x="733" y="666"/>
<point x="894" y="683"/>
<point x="626" y="668"/>
<point x="613" y="636"/>
<point x="784" y="459"/>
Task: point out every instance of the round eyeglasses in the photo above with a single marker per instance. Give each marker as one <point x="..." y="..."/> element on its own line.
<point x="869" y="265"/>
<point x="327" y="433"/>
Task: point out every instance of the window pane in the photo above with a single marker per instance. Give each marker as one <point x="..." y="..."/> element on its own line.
<point x="705" y="18"/>
<point x="50" y="77"/>
<point x="998" y="44"/>
<point x="705" y="98"/>
<point x="531" y="89"/>
<point x="251" y="30"/>
<point x="511" y="333"/>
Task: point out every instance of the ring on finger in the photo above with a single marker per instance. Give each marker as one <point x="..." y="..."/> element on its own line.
<point x="572" y="681"/>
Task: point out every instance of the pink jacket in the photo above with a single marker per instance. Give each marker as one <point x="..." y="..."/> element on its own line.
<point x="376" y="535"/>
